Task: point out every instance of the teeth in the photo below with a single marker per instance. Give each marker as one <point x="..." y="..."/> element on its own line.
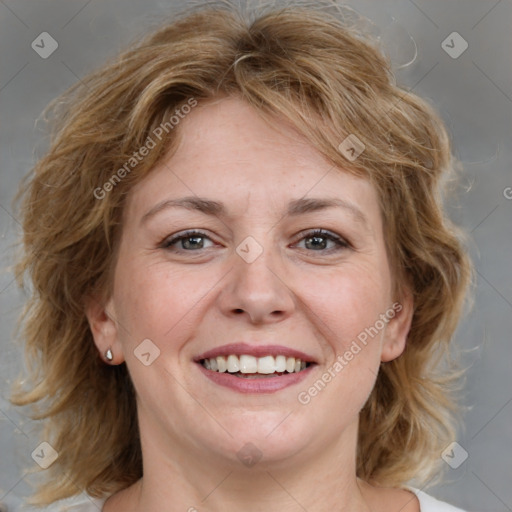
<point x="280" y="364"/>
<point x="221" y="364"/>
<point x="266" y="365"/>
<point x="233" y="364"/>
<point x="249" y="364"/>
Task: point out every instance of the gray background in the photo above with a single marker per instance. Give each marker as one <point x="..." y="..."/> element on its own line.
<point x="474" y="96"/>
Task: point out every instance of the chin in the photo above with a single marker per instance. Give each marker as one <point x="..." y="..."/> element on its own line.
<point x="263" y="437"/>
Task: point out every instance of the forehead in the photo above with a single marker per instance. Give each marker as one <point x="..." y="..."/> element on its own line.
<point x="228" y="152"/>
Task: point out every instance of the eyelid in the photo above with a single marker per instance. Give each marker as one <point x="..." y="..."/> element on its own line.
<point x="187" y="233"/>
<point x="320" y="232"/>
<point x="340" y="241"/>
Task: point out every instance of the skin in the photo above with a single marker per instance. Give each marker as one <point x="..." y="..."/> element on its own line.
<point x="191" y="298"/>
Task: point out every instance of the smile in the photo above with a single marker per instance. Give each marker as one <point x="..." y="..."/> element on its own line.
<point x="247" y="366"/>
<point x="255" y="367"/>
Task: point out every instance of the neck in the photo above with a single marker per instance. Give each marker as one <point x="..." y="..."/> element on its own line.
<point x="180" y="479"/>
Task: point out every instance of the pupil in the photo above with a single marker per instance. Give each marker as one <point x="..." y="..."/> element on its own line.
<point x="316" y="241"/>
<point x="195" y="239"/>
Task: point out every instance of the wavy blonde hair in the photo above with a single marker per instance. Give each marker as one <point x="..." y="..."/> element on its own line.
<point x="300" y="63"/>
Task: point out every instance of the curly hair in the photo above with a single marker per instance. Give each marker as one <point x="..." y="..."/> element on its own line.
<point x="306" y="65"/>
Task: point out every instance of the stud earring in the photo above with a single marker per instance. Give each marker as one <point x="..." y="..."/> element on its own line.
<point x="109" y="356"/>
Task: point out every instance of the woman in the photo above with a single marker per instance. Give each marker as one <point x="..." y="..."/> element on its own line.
<point x="243" y="277"/>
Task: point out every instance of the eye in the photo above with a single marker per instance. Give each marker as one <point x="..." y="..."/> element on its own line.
<point x="189" y="240"/>
<point x="318" y="240"/>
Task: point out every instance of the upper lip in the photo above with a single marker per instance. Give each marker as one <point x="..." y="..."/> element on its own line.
<point x="254" y="350"/>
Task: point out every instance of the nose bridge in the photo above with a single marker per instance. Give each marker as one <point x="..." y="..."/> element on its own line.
<point x="255" y="286"/>
<point x="254" y="262"/>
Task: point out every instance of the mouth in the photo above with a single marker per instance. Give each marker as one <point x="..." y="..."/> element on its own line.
<point x="251" y="367"/>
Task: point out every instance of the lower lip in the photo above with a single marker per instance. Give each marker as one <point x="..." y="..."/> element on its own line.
<point x="259" y="385"/>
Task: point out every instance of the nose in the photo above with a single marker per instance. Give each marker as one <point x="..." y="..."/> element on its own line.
<point x="257" y="290"/>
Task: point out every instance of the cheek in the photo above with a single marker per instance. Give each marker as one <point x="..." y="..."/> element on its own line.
<point x="157" y="302"/>
<point x="346" y="302"/>
<point x="347" y="307"/>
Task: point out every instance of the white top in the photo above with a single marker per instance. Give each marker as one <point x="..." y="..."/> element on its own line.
<point x="84" y="503"/>
<point x="430" y="504"/>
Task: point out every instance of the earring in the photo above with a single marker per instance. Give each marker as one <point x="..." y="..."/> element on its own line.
<point x="109" y="356"/>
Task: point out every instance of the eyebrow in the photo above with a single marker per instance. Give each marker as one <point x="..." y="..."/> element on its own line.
<point x="295" y="208"/>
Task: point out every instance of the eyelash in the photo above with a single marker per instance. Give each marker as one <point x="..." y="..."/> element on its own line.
<point x="320" y="233"/>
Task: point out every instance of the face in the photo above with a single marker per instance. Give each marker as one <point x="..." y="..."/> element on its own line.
<point x="273" y="253"/>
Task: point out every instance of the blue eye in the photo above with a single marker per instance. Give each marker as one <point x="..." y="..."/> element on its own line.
<point x="318" y="239"/>
<point x="190" y="241"/>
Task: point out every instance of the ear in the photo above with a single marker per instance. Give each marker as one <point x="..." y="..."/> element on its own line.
<point x="104" y="328"/>
<point x="395" y="335"/>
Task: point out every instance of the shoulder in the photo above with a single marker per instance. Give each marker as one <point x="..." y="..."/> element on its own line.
<point x="81" y="503"/>
<point x="431" y="504"/>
